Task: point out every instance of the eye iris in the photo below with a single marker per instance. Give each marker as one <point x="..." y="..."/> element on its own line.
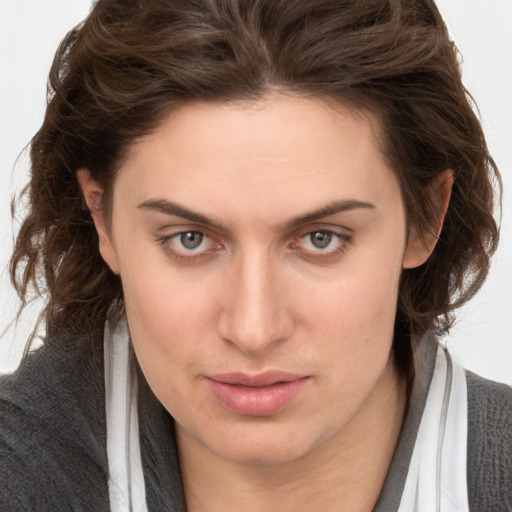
<point x="191" y="239"/>
<point x="321" y="239"/>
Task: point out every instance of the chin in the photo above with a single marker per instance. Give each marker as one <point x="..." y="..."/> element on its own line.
<point x="260" y="444"/>
<point x="267" y="454"/>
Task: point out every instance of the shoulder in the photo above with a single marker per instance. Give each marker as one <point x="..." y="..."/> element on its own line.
<point x="52" y="443"/>
<point x="489" y="444"/>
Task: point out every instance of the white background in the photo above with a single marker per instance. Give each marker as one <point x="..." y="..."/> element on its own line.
<point x="30" y="31"/>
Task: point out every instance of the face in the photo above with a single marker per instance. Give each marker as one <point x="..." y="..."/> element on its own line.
<point x="260" y="247"/>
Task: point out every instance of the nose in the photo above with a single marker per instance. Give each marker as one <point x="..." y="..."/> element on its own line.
<point x="254" y="315"/>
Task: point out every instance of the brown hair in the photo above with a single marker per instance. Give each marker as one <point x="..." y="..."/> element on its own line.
<point x="116" y="76"/>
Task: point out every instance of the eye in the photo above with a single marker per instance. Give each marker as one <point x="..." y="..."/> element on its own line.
<point x="322" y="240"/>
<point x="189" y="244"/>
<point x="191" y="240"/>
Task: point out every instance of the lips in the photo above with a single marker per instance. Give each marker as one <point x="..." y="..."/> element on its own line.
<point x="264" y="394"/>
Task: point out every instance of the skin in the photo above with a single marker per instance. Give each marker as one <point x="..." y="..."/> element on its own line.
<point x="257" y="294"/>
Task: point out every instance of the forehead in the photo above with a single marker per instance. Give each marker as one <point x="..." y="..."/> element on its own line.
<point x="281" y="151"/>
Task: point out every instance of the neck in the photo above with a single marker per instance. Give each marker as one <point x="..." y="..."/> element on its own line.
<point x="347" y="470"/>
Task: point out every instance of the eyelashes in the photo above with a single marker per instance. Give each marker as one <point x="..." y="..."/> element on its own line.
<point x="194" y="245"/>
<point x="190" y="245"/>
<point x="322" y="241"/>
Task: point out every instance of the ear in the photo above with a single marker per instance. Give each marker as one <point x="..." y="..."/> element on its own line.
<point x="93" y="197"/>
<point x="421" y="246"/>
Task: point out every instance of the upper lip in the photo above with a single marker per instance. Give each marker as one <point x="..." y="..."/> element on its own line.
<point x="261" y="379"/>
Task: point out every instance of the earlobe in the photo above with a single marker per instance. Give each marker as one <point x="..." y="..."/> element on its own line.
<point x="420" y="246"/>
<point x="93" y="194"/>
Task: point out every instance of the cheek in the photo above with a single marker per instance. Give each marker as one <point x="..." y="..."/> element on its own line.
<point x="353" y="332"/>
<point x="360" y="298"/>
<point x="162" y="302"/>
<point x="168" y="335"/>
<point x="351" y="316"/>
<point x="170" y="319"/>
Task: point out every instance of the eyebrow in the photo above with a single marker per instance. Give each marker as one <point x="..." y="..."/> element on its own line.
<point x="328" y="210"/>
<point x="172" y="208"/>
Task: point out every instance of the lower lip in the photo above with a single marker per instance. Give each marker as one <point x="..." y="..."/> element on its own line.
<point x="256" y="401"/>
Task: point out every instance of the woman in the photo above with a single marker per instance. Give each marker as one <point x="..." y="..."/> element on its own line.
<point x="251" y="218"/>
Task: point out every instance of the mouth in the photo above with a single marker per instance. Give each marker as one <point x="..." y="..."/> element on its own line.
<point x="264" y="394"/>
